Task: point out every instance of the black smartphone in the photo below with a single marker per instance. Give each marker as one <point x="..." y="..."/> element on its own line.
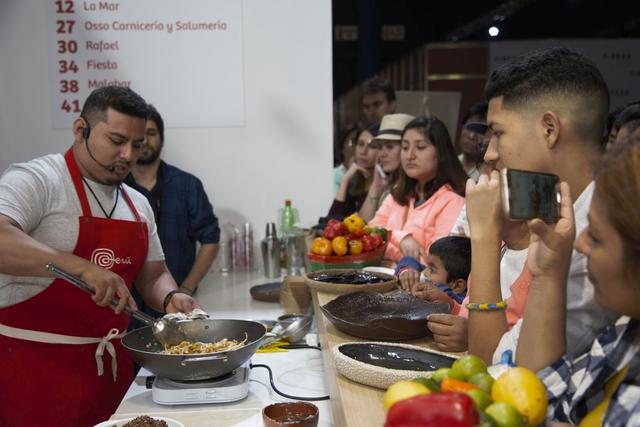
<point x="527" y="195"/>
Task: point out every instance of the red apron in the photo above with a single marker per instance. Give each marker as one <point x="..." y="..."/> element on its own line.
<point x="57" y="384"/>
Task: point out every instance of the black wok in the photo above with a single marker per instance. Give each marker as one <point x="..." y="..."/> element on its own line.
<point x="145" y="350"/>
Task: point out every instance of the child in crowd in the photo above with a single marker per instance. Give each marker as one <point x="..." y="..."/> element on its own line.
<point x="444" y="278"/>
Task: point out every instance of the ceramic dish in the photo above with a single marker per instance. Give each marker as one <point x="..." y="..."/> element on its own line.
<point x="379" y="364"/>
<point x="387" y="283"/>
<point x="269" y="292"/>
<point x="370" y="315"/>
<point x="385" y="270"/>
<point x="300" y="414"/>
<point x="119" y="423"/>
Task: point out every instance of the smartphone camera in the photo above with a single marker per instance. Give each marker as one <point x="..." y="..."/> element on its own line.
<point x="527" y="195"/>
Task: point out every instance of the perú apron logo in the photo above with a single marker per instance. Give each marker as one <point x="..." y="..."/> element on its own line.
<point x="106" y="258"/>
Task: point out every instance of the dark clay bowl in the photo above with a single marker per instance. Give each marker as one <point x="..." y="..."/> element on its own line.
<point x="301" y="414"/>
<point x="396" y="357"/>
<point x="344" y="281"/>
<point x="269" y="292"/>
<point x="381" y="364"/>
<point x="370" y="315"/>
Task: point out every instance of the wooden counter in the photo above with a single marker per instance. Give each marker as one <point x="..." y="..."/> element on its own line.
<point x="352" y="404"/>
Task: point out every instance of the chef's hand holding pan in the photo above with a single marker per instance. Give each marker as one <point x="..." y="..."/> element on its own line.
<point x="107" y="286"/>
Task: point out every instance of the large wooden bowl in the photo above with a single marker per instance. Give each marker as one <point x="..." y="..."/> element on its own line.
<point x="372" y="316"/>
<point x="390" y="282"/>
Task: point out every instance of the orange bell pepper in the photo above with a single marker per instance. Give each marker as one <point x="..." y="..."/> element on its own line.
<point x="450" y="384"/>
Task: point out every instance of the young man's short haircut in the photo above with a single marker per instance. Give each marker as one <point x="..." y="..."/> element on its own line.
<point x="558" y="74"/>
<point x="121" y="99"/>
<point x="455" y="254"/>
<point x="376" y="85"/>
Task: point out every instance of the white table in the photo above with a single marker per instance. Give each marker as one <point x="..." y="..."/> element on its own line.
<point x="296" y="372"/>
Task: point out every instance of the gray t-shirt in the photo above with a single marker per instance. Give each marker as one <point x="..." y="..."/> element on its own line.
<point x="40" y="196"/>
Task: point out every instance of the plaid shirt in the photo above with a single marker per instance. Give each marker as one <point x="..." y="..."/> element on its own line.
<point x="575" y="387"/>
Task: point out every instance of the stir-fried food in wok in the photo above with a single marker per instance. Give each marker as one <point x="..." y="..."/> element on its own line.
<point x="187" y="347"/>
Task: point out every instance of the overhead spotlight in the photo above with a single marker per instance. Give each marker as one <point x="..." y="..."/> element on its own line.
<point x="494" y="31"/>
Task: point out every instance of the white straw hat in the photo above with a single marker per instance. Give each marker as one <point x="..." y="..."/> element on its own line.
<point x="392" y="125"/>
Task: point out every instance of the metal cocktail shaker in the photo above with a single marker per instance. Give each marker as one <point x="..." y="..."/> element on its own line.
<point x="271" y="252"/>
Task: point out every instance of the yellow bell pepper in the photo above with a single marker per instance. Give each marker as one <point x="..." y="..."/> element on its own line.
<point x="354" y="223"/>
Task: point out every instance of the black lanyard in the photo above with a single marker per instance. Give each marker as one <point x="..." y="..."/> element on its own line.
<point x="107" y="215"/>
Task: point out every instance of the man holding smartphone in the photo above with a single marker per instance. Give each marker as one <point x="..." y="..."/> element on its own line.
<point x="547" y="113"/>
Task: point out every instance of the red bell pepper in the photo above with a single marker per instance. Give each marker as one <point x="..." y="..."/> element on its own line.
<point x="434" y="409"/>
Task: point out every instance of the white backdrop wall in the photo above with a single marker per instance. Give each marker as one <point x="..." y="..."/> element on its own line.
<point x="284" y="149"/>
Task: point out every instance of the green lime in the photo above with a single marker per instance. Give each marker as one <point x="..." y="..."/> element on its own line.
<point x="467" y="366"/>
<point x="429" y="382"/>
<point x="480" y="398"/>
<point x="486" y="421"/>
<point x="505" y="415"/>
<point x="482" y="380"/>
<point x="443" y="373"/>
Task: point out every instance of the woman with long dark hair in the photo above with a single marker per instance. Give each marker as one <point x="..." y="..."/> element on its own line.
<point x="357" y="179"/>
<point x="429" y="194"/>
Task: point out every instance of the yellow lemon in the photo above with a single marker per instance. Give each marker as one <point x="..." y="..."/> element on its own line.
<point x="403" y="390"/>
<point x="522" y="389"/>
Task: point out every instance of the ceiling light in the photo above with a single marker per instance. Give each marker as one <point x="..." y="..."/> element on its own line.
<point x="494" y="31"/>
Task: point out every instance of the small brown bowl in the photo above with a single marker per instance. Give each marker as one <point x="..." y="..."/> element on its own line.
<point x="301" y="414"/>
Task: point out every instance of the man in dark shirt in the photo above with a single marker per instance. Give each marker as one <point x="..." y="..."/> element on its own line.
<point x="181" y="207"/>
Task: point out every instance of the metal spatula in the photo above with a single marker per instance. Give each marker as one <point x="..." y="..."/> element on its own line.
<point x="166" y="330"/>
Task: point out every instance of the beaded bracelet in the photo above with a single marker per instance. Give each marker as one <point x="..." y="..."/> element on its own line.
<point x="501" y="305"/>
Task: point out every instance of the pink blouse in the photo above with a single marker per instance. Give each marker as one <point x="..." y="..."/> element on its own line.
<point x="426" y="223"/>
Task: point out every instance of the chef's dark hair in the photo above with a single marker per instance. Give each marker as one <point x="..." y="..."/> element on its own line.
<point x="121" y="99"/>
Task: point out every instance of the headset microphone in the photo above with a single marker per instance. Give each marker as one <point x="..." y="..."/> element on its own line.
<point x="86" y="131"/>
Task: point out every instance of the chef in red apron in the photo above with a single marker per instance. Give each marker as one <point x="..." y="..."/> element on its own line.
<point x="61" y="361"/>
